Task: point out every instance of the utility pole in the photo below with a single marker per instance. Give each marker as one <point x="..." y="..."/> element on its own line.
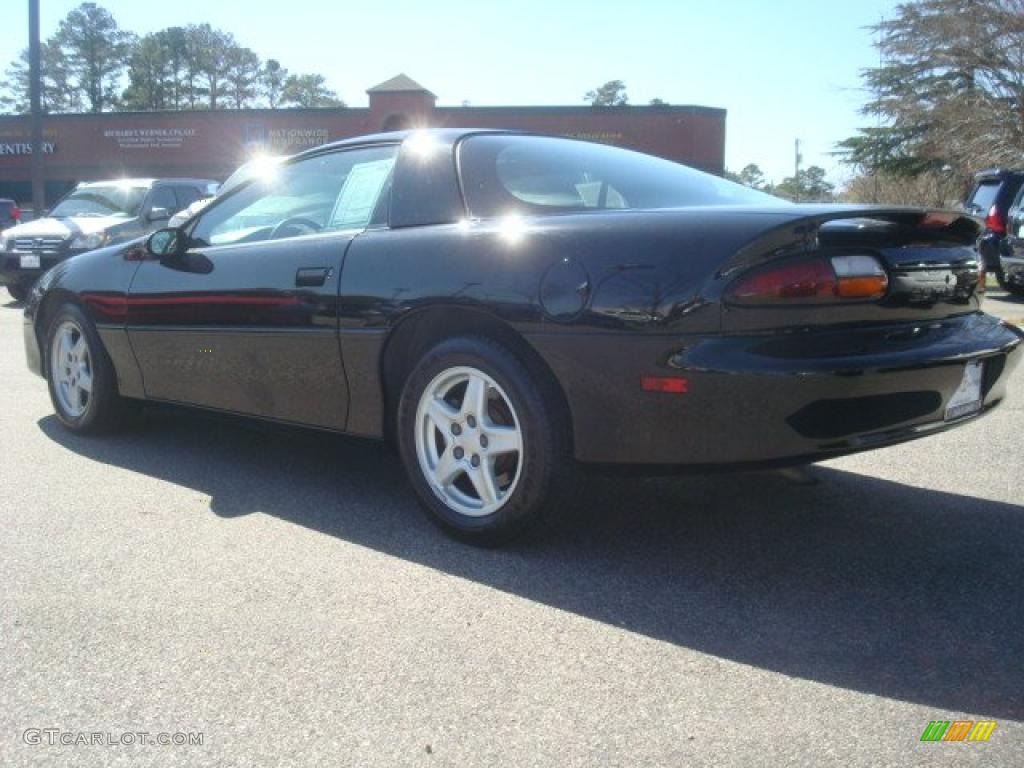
<point x="38" y="192"/>
<point x="796" y="167"/>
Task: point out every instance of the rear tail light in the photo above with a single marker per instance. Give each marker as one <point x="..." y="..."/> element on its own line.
<point x="995" y="221"/>
<point x="16" y="213"/>
<point x="858" y="277"/>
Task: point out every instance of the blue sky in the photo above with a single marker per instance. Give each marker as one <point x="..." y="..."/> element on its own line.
<point x="784" y="69"/>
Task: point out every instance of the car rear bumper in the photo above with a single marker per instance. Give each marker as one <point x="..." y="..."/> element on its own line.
<point x="772" y="398"/>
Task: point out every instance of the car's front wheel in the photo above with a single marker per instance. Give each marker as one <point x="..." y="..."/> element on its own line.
<point x="482" y="440"/>
<point x="81" y="377"/>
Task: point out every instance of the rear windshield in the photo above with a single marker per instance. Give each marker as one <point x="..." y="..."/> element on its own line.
<point x="534" y="174"/>
<point x="984" y="196"/>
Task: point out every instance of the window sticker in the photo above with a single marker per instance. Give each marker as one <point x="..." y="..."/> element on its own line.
<point x="360" y="193"/>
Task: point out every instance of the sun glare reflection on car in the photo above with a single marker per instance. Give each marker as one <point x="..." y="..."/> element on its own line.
<point x="422" y="146"/>
<point x="264" y="167"/>
<point x="512" y="228"/>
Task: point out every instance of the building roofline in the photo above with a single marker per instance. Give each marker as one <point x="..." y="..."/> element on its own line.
<point x="265" y="111"/>
<point x="400" y="83"/>
<point x="586" y="109"/>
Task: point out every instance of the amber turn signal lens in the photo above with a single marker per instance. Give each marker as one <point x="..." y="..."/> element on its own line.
<point x="860" y="277"/>
<point x="872" y="287"/>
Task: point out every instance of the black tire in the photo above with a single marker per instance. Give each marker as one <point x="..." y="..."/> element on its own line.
<point x="1011" y="288"/>
<point x="104" y="409"/>
<point x="19" y="291"/>
<point x="541" y="467"/>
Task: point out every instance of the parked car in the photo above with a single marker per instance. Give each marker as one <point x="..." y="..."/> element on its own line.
<point x="92" y="215"/>
<point x="512" y="306"/>
<point x="10" y="213"/>
<point x="1011" y="249"/>
<point x="991" y="197"/>
<point x="255" y="167"/>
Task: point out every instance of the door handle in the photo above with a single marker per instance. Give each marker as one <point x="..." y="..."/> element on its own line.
<point x="312" y="277"/>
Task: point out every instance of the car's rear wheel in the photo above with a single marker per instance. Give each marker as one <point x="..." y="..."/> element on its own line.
<point x="481" y="439"/>
<point x="82" y="382"/>
<point x="19" y="291"/>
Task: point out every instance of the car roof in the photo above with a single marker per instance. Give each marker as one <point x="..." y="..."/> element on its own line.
<point x="445" y="136"/>
<point x="146" y="182"/>
<point x="993" y="174"/>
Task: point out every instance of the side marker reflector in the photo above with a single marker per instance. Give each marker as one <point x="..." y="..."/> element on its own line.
<point x="673" y="384"/>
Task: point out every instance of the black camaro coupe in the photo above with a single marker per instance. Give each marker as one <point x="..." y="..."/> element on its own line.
<point x="507" y="307"/>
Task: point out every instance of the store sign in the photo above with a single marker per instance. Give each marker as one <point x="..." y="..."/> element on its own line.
<point x="296" y="138"/>
<point x="25" y="147"/>
<point x="151" y="138"/>
<point x="285" y="140"/>
<point x="601" y="137"/>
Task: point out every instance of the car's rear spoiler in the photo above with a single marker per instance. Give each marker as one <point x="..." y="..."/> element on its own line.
<point x="856" y="226"/>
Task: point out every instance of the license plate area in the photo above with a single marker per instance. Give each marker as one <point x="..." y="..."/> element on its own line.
<point x="30" y="261"/>
<point x="967" y="398"/>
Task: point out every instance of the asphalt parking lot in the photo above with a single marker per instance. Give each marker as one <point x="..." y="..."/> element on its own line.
<point x="280" y="592"/>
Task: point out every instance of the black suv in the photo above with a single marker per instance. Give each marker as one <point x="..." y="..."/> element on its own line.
<point x="94" y="214"/>
<point x="991" y="197"/>
<point x="1011" y="249"/>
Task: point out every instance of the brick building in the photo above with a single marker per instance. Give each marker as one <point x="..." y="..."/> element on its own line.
<point x="212" y="143"/>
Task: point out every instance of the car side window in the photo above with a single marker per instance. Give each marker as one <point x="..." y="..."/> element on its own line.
<point x="186" y="196"/>
<point x="326" y="192"/>
<point x="163" y="197"/>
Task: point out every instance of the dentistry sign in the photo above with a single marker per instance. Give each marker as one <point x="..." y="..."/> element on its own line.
<point x="25" y="147"/>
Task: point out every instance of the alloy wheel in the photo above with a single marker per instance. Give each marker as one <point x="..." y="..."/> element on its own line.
<point x="469" y="442"/>
<point x="71" y="368"/>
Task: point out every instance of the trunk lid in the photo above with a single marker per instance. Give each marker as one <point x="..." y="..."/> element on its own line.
<point x="929" y="256"/>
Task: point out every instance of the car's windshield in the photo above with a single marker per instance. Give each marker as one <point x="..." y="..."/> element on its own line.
<point x="102" y="200"/>
<point x="504" y="173"/>
<point x="256" y="168"/>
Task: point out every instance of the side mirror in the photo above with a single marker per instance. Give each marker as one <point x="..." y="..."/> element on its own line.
<point x="157" y="214"/>
<point x="166" y="242"/>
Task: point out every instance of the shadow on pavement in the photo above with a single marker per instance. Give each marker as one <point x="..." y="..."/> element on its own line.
<point x="856" y="582"/>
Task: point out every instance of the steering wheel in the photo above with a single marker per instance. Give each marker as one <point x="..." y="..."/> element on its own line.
<point x="294" y="221"/>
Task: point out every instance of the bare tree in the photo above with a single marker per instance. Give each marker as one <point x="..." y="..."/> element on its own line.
<point x="949" y="93"/>
<point x="932" y="189"/>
